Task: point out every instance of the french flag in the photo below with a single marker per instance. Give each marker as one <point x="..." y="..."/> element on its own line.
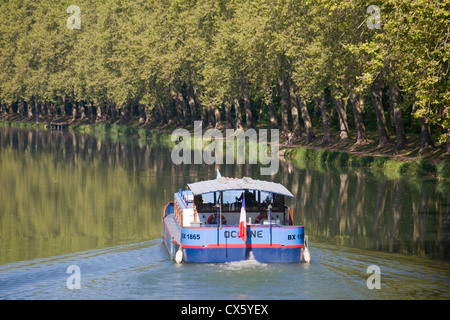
<point x="242" y="224"/>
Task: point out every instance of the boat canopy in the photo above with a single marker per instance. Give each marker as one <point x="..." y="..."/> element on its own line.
<point x="227" y="184"/>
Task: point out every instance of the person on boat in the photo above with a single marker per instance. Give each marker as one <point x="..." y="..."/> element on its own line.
<point x="198" y="202"/>
<point x="249" y="198"/>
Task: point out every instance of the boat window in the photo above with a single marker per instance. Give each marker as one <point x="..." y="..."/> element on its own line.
<point x="269" y="198"/>
<point x="232" y="201"/>
<point x="278" y="203"/>
<point x="206" y="202"/>
<point x="251" y="200"/>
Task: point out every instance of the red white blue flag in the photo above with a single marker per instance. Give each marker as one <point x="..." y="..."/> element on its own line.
<point x="242" y="224"/>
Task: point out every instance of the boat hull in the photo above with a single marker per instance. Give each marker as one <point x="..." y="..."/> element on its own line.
<point x="213" y="244"/>
<point x="213" y="255"/>
<point x="221" y="255"/>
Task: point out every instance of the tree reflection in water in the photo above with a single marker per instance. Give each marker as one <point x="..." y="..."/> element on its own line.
<point x="68" y="192"/>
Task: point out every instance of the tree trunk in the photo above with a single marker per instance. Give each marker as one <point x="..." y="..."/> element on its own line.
<point x="247" y="105"/>
<point x="82" y="110"/>
<point x="447" y="145"/>
<point x="217" y="118"/>
<point x="156" y="113"/>
<point x="237" y="110"/>
<point x="163" y="113"/>
<point x="394" y="99"/>
<point x="36" y="111"/>
<point x="30" y="110"/>
<point x="43" y="109"/>
<point x="4" y="111"/>
<point x="273" y="116"/>
<point x="261" y="113"/>
<point x="358" y="107"/>
<point x="322" y="103"/>
<point x="178" y="119"/>
<point x="104" y="109"/>
<point x="425" y="135"/>
<point x="342" y="114"/>
<point x="125" y="114"/>
<point x="21" y="109"/>
<point x="204" y="117"/>
<point x="201" y="108"/>
<point x="445" y="114"/>
<point x="7" y="108"/>
<point x="148" y="114"/>
<point x="294" y="112"/>
<point x="284" y="104"/>
<point x="90" y="109"/>
<point x="191" y="102"/>
<point x="74" y="110"/>
<point x="211" y="122"/>
<point x="377" y="95"/>
<point x="99" y="113"/>
<point x="306" y="120"/>
<point x="183" y="107"/>
<point x="63" y="107"/>
<point x="112" y="111"/>
<point x="228" y="117"/>
<point x="142" y="114"/>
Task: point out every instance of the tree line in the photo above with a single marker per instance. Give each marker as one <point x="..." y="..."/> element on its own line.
<point x="232" y="63"/>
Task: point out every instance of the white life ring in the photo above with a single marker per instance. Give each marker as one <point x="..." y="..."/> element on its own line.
<point x="306" y="255"/>
<point x="213" y="218"/>
<point x="179" y="256"/>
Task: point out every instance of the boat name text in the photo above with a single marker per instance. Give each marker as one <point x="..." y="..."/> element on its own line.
<point x="251" y="234"/>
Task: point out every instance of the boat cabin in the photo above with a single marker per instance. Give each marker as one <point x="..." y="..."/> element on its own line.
<point x="220" y="201"/>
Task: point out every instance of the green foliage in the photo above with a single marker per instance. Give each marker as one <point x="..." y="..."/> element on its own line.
<point x="443" y="169"/>
<point x="139" y="52"/>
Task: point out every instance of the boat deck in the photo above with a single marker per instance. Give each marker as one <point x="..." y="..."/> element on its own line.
<point x="173" y="227"/>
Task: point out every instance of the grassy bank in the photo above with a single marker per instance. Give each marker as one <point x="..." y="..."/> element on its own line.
<point x="409" y="163"/>
<point x="101" y="130"/>
<point x="393" y="168"/>
<point x="118" y="131"/>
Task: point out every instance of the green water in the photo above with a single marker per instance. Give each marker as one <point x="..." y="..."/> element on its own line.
<point x="96" y="202"/>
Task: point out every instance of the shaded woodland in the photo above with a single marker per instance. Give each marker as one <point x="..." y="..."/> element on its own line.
<point x="316" y="68"/>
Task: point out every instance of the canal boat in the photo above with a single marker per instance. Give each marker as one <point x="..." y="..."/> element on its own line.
<point x="231" y="219"/>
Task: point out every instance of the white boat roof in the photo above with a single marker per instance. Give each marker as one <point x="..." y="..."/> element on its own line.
<point x="226" y="184"/>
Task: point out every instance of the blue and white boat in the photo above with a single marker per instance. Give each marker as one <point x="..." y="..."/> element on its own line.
<point x="230" y="219"/>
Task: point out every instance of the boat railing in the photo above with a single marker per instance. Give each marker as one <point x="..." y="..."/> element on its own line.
<point x="186" y="197"/>
<point x="253" y="218"/>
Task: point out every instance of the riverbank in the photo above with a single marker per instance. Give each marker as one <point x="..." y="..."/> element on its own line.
<point x="409" y="162"/>
<point x="391" y="167"/>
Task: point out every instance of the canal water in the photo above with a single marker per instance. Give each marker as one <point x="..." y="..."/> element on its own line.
<point x="79" y="209"/>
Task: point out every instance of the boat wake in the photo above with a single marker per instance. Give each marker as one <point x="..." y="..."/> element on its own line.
<point x="244" y="264"/>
